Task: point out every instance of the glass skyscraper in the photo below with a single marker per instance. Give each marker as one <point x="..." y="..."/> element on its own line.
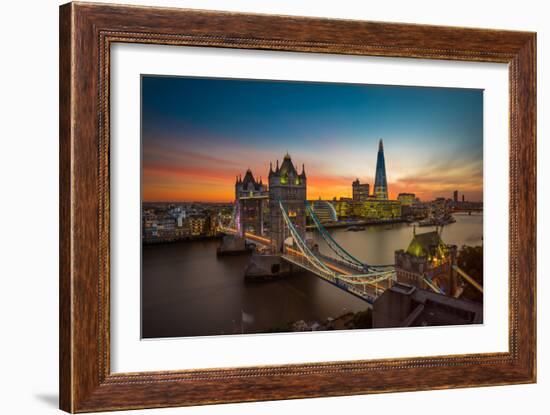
<point x="380" y="182"/>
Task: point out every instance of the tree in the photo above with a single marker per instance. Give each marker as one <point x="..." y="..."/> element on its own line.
<point x="470" y="260"/>
<point x="361" y="320"/>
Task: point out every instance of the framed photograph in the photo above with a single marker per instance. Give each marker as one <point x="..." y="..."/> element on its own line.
<point x="258" y="207"/>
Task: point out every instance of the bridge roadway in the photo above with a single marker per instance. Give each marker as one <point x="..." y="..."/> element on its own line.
<point x="365" y="286"/>
<point x="345" y="276"/>
<point x="250" y="237"/>
<point x="365" y="282"/>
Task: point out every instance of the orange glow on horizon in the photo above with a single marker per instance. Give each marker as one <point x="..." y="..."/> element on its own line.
<point x="216" y="184"/>
<point x="226" y="194"/>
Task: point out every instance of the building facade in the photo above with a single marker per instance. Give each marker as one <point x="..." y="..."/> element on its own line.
<point x="439" y="207"/>
<point x="288" y="187"/>
<point x="381" y="209"/>
<point x="197" y="225"/>
<point x="361" y="191"/>
<point x="164" y="222"/>
<point x="343" y="207"/>
<point x="250" y="203"/>
<point x="428" y="264"/>
<point x="406" y="199"/>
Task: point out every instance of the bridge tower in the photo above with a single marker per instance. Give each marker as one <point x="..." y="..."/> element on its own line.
<point x="289" y="187"/>
<point x="428" y="261"/>
<point x="250" y="200"/>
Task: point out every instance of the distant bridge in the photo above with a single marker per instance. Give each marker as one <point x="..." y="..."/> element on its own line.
<point x="467" y="209"/>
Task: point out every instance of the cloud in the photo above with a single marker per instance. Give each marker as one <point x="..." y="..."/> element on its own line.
<point x="442" y="177"/>
<point x="205" y="166"/>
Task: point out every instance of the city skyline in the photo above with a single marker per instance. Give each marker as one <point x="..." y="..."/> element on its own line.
<point x="197" y="137"/>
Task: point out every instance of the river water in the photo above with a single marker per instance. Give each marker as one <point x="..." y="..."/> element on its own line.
<point x="188" y="291"/>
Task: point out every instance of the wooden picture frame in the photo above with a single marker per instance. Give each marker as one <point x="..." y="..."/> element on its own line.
<point x="86" y="33"/>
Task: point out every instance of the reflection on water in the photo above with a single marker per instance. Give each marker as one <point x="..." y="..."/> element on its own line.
<point x="188" y="291"/>
<point x="377" y="244"/>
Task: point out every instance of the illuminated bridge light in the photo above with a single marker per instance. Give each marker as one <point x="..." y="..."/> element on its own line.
<point x="333" y="267"/>
<point x="345" y="271"/>
<point x="259" y="238"/>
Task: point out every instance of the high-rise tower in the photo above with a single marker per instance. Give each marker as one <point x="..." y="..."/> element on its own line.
<point x="361" y="191"/>
<point x="380" y="182"/>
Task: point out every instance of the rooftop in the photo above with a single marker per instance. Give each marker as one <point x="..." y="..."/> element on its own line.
<point x="287" y="168"/>
<point x="424" y="244"/>
<point x="404" y="305"/>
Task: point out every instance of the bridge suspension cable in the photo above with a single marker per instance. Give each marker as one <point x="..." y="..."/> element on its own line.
<point x="302" y="246"/>
<point x="434" y="287"/>
<point x="348" y="258"/>
<point x="366" y="285"/>
<point x="469" y="279"/>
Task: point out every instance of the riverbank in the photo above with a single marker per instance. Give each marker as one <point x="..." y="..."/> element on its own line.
<point x="182" y="239"/>
<point x="347" y="321"/>
<point x="358" y="222"/>
<point x="188" y="291"/>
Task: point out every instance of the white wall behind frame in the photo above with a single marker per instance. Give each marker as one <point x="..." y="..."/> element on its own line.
<point x="29" y="171"/>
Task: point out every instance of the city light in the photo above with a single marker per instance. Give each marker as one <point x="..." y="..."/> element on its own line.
<point x="385" y="221"/>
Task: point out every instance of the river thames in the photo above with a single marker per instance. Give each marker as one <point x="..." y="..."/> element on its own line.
<point x="188" y="291"/>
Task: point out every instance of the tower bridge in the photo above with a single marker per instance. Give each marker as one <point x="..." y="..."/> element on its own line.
<point x="284" y="236"/>
<point x="281" y="240"/>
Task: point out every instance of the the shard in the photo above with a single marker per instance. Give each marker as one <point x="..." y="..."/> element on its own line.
<point x="380" y="181"/>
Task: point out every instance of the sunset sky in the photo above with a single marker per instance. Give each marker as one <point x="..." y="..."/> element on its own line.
<point x="199" y="133"/>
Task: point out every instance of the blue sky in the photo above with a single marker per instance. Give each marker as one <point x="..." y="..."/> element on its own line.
<point x="196" y="131"/>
